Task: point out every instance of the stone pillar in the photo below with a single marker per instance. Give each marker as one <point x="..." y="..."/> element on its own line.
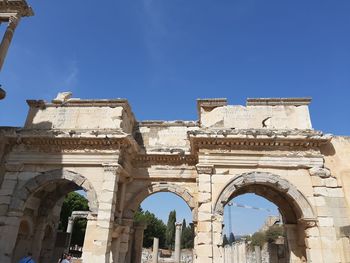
<point x="9" y="235"/>
<point x="6" y="40"/>
<point x="98" y="237"/>
<point x="130" y="245"/>
<point x="138" y="241"/>
<point x="257" y="254"/>
<point x="293" y="244"/>
<point x="208" y="232"/>
<point x="70" y="225"/>
<point x="155" y="250"/>
<point x="177" y="252"/>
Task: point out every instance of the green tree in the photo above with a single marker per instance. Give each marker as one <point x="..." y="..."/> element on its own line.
<point x="183" y="234"/>
<point x="74" y="202"/>
<point x="273" y="233"/>
<point x="187" y="236"/>
<point x="232" y="238"/>
<point x="155" y="228"/>
<point x="258" y="239"/>
<point x="170" y="232"/>
<point x="225" y="240"/>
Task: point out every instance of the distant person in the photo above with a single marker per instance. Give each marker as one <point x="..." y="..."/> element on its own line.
<point x="66" y="258"/>
<point x="27" y="259"/>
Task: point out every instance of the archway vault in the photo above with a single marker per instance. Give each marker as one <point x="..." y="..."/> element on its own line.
<point x="42" y="179"/>
<point x="153" y="188"/>
<point x="292" y="203"/>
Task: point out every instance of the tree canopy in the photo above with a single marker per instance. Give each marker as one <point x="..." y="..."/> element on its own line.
<point x="74" y="202"/>
<point x="155" y="228"/>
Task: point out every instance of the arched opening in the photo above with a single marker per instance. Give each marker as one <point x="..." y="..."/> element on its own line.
<point x="40" y="200"/>
<point x="253" y="230"/>
<point x="292" y="205"/>
<point x="161" y="211"/>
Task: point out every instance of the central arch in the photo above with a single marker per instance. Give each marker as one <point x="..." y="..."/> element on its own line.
<point x="176" y="189"/>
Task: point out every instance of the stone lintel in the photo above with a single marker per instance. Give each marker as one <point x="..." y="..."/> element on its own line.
<point x="160" y="123"/>
<point x="257" y="138"/>
<point x="278" y="101"/>
<point x="210" y="104"/>
<point x="113" y="167"/>
<point x="75" y="102"/>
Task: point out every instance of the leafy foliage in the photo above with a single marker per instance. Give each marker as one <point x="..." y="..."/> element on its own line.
<point x="74" y="202"/>
<point x="187" y="236"/>
<point x="273" y="233"/>
<point x="270" y="235"/>
<point x="155" y="228"/>
<point x="258" y="239"/>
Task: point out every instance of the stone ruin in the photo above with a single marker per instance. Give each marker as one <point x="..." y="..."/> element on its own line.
<point x="267" y="147"/>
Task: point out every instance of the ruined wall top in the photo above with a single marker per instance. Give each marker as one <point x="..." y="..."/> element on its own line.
<point x="65" y="112"/>
<point x="69" y="113"/>
<point x="270" y="113"/>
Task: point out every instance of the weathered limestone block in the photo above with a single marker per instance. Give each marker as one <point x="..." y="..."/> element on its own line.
<point x="257" y="116"/>
<point x="320" y="172"/>
<point x="325" y="222"/>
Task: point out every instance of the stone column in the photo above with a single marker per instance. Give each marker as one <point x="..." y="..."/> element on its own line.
<point x="155" y="250"/>
<point x="257" y="254"/>
<point x="204" y="238"/>
<point x="6" y="40"/>
<point x="70" y="225"/>
<point x="177" y="252"/>
<point x="138" y="241"/>
<point x="98" y="237"/>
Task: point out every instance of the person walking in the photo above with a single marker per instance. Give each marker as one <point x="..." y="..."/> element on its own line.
<point x="66" y="258"/>
<point x="27" y="259"/>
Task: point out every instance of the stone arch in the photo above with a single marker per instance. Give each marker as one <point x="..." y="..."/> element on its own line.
<point x="42" y="179"/>
<point x="176" y="189"/>
<point x="293" y="197"/>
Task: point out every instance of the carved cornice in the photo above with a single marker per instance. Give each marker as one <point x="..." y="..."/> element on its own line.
<point x="59" y="141"/>
<point x="267" y="139"/>
<point x="144" y="160"/>
<point x="19" y="7"/>
<point x="278" y="101"/>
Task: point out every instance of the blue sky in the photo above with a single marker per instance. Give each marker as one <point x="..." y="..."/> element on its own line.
<point x="164" y="54"/>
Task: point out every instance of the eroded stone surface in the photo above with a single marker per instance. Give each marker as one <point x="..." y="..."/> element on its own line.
<point x="267" y="147"/>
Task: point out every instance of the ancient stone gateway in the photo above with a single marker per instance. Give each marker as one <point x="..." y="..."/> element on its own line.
<point x="267" y="147"/>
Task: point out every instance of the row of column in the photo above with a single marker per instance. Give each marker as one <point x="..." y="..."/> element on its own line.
<point x="177" y="252"/>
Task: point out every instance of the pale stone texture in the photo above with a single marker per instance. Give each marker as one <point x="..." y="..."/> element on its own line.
<point x="267" y="147"/>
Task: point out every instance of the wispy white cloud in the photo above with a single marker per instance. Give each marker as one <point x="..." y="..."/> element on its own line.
<point x="70" y="79"/>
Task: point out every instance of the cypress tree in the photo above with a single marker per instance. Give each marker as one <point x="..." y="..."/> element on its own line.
<point x="225" y="241"/>
<point x="232" y="238"/>
<point x="170" y="232"/>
